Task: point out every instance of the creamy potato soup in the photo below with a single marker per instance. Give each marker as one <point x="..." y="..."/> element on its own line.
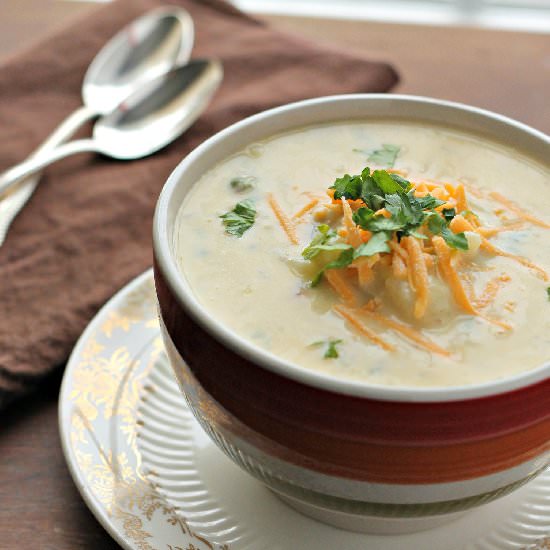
<point x="395" y="253"/>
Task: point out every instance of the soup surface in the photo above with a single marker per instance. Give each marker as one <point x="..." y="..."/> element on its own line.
<point x="432" y="271"/>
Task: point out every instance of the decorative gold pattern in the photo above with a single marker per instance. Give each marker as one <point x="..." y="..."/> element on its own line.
<point x="139" y="307"/>
<point x="542" y="544"/>
<point x="106" y="386"/>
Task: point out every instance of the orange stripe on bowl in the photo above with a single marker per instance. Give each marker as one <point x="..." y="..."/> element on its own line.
<point x="358" y="438"/>
<point x="366" y="461"/>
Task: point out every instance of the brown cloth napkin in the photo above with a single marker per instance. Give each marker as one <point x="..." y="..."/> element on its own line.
<point x="87" y="230"/>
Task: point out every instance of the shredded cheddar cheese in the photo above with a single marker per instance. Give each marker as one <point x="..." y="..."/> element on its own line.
<point x="283" y="220"/>
<point x="371" y="241"/>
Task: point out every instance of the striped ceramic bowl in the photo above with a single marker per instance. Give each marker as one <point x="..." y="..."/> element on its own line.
<point x="360" y="457"/>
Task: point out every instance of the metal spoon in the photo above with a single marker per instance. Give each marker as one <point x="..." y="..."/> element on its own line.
<point x="148" y="120"/>
<point x="145" y="48"/>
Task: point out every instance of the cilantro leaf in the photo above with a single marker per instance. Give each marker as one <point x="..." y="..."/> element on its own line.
<point x="428" y="202"/>
<point x="416" y="234"/>
<point x="325" y="233"/>
<point x="332" y="352"/>
<point x="372" y="188"/>
<point x="348" y="186"/>
<point x="448" y="214"/>
<point x="385" y="156"/>
<point x="396" y="222"/>
<point x="406" y="207"/>
<point x="322" y="242"/>
<point x="331" y="247"/>
<point x="365" y="173"/>
<point x="241" y="184"/>
<point x="362" y="216"/>
<point x="371" y="193"/>
<point x="406" y="215"/>
<point x="406" y="185"/>
<point x="344" y="259"/>
<point x="438" y="226"/>
<point x="386" y="183"/>
<point x="548" y="292"/>
<point x="240" y="219"/>
<point x="455" y="240"/>
<point x="377" y="243"/>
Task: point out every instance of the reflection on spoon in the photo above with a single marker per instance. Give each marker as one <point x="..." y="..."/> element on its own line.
<point x="147" y="121"/>
<point x="143" y="50"/>
<point x="148" y="47"/>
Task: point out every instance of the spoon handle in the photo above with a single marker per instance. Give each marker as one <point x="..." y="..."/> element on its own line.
<point x="12" y="205"/>
<point x="66" y="129"/>
<point x="36" y="163"/>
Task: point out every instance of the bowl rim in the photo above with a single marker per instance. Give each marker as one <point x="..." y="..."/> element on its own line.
<point x="267" y="360"/>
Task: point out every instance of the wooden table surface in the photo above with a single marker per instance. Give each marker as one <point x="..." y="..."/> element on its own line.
<point x="507" y="72"/>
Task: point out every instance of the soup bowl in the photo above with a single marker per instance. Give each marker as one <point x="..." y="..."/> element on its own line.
<point x="358" y="456"/>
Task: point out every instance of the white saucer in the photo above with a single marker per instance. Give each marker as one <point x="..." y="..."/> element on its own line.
<point x="155" y="481"/>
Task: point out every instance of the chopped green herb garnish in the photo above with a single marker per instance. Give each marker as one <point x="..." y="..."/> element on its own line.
<point x="428" y="202"/>
<point x="548" y="292"/>
<point x="325" y="240"/>
<point x="396" y="222"/>
<point x="241" y="184"/>
<point x="407" y="209"/>
<point x="331" y="352"/>
<point x="362" y="216"/>
<point x="389" y="185"/>
<point x="405" y="184"/>
<point x="455" y="240"/>
<point x="448" y="214"/>
<point x="345" y="258"/>
<point x="240" y="219"/>
<point x="376" y="244"/>
<point x="438" y="226"/>
<point x="329" y="246"/>
<point x="408" y="215"/>
<point x="382" y="157"/>
<point x="348" y="186"/>
<point x="324" y="236"/>
<point x="381" y="189"/>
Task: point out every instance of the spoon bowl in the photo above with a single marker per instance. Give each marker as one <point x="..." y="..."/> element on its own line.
<point x="146" y="48"/>
<point x="161" y="111"/>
